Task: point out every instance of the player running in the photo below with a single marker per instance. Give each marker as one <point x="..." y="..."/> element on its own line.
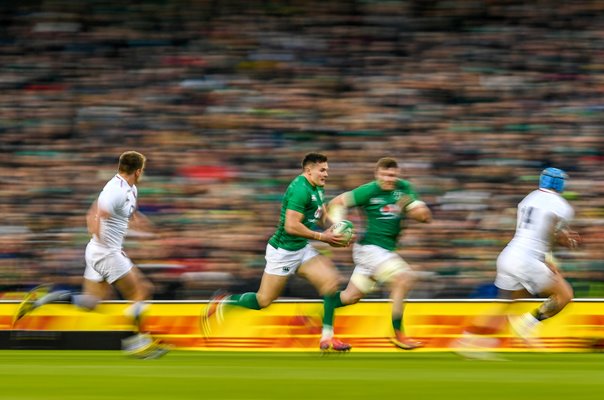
<point x="289" y="252"/>
<point x="386" y="203"/>
<point x="526" y="265"/>
<point x="106" y="263"/>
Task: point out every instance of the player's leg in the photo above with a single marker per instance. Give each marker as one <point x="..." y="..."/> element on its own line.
<point x="280" y="264"/>
<point x="400" y="277"/>
<point x="271" y="287"/>
<point x="134" y="286"/>
<point x="323" y="275"/>
<point x="508" y="280"/>
<point x="558" y="292"/>
<point x="477" y="339"/>
<point x="480" y="337"/>
<point x="95" y="286"/>
<point x="93" y="291"/>
<point x="362" y="280"/>
<point x="356" y="289"/>
<point x="41" y="295"/>
<point x="540" y="279"/>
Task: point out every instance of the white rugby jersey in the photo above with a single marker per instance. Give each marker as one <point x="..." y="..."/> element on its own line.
<point x="118" y="198"/>
<point x="538" y="215"/>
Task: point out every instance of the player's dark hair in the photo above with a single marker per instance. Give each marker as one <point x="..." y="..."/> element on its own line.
<point x="130" y="161"/>
<point x="313" y="158"/>
<point x="386" y="162"/>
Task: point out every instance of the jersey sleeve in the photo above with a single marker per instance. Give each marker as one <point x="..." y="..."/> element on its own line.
<point x="409" y="190"/>
<point x="298" y="198"/>
<point x="110" y="200"/>
<point x="361" y="194"/>
<point x="410" y="198"/>
<point x="565" y="212"/>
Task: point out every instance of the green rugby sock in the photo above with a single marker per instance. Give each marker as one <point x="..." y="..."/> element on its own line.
<point x="330" y="303"/>
<point x="246" y="300"/>
<point x="397" y="322"/>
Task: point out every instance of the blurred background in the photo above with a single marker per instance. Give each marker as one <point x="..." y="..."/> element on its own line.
<point x="224" y="97"/>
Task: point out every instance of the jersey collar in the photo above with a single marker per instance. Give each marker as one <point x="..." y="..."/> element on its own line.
<point x="118" y="176"/>
<point x="548" y="191"/>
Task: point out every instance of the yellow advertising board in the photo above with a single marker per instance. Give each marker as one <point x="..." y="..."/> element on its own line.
<point x="296" y="326"/>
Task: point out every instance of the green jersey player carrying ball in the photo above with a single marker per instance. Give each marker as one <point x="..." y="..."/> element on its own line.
<point x="289" y="252"/>
<point x="385" y="202"/>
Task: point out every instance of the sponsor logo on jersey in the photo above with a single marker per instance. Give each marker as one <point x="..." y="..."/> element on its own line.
<point x="376" y="200"/>
<point x="390" y="211"/>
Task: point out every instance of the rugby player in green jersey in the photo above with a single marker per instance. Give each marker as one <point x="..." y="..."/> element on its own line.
<point x="289" y="252"/>
<point x="385" y="203"/>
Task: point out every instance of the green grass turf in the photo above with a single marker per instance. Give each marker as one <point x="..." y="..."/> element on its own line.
<point x="83" y="375"/>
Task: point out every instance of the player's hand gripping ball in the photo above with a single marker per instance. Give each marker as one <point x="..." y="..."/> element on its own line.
<point x="345" y="228"/>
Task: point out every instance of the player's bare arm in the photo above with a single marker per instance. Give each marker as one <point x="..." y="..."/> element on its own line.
<point x="568" y="238"/>
<point x="338" y="207"/>
<point x="419" y="212"/>
<point x="93" y="219"/>
<point x="294" y="226"/>
<point x="564" y="236"/>
<point x="140" y="222"/>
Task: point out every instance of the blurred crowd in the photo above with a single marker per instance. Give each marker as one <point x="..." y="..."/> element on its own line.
<point x="473" y="98"/>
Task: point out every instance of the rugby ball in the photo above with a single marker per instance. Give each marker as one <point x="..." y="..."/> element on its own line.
<point x="344" y="227"/>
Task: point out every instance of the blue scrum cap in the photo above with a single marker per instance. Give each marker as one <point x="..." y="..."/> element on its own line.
<point x="553" y="178"/>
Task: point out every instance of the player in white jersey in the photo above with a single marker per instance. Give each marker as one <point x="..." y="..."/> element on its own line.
<point x="527" y="267"/>
<point x="106" y="263"/>
<point x="527" y="264"/>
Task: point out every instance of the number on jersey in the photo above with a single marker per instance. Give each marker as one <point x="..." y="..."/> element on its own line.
<point x="525" y="218"/>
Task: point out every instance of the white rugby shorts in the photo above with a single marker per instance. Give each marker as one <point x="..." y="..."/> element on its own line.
<point x="375" y="264"/>
<point x="286" y="262"/>
<point x="519" y="268"/>
<point x="104" y="264"/>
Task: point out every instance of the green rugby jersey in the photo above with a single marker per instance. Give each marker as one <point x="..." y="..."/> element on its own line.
<point x="306" y="199"/>
<point x="383" y="215"/>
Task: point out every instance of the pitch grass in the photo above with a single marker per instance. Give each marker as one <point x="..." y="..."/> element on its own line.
<point x="92" y="375"/>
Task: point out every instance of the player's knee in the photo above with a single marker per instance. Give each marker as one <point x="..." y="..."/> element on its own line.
<point x="263" y="300"/>
<point x="404" y="280"/>
<point x="347" y="297"/>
